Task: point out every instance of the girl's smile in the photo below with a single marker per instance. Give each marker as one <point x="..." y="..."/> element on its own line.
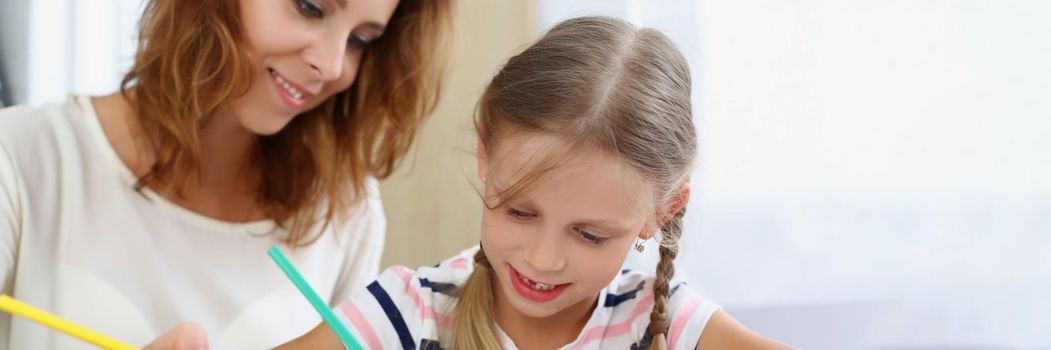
<point x="534" y="290"/>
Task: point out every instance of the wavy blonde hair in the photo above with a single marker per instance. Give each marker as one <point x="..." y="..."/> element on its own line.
<point x="191" y="60"/>
<point x="599" y="84"/>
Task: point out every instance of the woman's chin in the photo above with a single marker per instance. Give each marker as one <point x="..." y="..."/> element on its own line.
<point x="268" y="126"/>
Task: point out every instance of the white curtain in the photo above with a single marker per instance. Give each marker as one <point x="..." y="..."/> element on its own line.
<point x="51" y="48"/>
<point x="872" y="174"/>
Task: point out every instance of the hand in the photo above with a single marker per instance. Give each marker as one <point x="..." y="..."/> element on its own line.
<point x="186" y="336"/>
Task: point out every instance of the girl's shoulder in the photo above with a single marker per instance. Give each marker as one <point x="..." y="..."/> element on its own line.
<point x="429" y="287"/>
<point x="635" y="284"/>
<point x="405" y="306"/>
<point x="451" y="273"/>
<point x="629" y="298"/>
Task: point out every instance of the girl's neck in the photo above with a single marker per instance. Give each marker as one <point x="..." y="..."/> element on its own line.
<point x="550" y="332"/>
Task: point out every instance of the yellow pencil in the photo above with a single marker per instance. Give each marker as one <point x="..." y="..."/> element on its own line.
<point x="19" y="308"/>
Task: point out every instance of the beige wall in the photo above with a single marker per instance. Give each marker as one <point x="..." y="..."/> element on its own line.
<point x="432" y="208"/>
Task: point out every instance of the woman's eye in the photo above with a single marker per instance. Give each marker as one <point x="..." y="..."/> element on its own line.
<point x="309" y="9"/>
<point x="519" y="215"/>
<point x="358" y="41"/>
<point x="590" y="238"/>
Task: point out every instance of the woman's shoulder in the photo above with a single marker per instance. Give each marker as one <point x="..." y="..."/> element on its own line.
<point x="363" y="220"/>
<point x="26" y="124"/>
<point x="37" y="137"/>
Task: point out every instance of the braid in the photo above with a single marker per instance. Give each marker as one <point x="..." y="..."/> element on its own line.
<point x="473" y="327"/>
<point x="669" y="248"/>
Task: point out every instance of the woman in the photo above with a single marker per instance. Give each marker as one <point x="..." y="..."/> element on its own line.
<point x="240" y="125"/>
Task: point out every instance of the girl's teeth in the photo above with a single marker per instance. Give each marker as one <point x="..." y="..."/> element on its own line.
<point x="537" y="285"/>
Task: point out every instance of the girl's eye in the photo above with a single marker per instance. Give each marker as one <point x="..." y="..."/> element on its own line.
<point x="590" y="238"/>
<point x="519" y="215"/>
<point x="309" y="9"/>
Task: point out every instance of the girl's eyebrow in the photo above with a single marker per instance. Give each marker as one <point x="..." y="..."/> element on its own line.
<point x="608" y="226"/>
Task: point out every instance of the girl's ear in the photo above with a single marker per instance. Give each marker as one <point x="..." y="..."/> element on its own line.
<point x="483" y="160"/>
<point x="677" y="202"/>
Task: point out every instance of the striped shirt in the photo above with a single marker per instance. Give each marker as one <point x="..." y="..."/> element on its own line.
<point x="407" y="309"/>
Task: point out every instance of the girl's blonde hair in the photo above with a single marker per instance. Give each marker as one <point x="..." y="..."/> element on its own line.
<point x="191" y="60"/>
<point x="600" y="83"/>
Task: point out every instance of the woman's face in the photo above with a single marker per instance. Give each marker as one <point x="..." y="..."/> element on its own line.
<point x="303" y="51"/>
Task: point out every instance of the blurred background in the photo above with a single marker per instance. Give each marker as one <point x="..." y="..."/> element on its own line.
<point x="873" y="174"/>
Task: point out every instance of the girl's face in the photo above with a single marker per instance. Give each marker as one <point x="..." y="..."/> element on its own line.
<point x="304" y="51"/>
<point x="557" y="245"/>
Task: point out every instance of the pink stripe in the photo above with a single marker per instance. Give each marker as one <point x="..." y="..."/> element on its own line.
<point x="402" y="272"/>
<point x="426" y="312"/>
<point x="623" y="327"/>
<point x="363" y="326"/>
<point x="680" y="320"/>
<point x="460" y="263"/>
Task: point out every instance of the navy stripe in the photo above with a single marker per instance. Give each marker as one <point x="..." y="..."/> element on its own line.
<point x="439" y="287"/>
<point x="625" y="271"/>
<point x="676" y="288"/>
<point x="613" y="300"/>
<point x="393" y="315"/>
<point x="428" y="344"/>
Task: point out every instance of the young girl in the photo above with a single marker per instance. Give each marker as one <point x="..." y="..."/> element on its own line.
<point x="585" y="148"/>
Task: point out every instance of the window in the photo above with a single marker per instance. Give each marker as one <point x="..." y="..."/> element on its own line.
<point x="873" y="174"/>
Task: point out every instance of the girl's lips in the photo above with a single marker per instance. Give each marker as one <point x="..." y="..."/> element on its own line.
<point x="531" y="291"/>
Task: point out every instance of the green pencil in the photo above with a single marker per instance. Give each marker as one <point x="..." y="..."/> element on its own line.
<point x="322" y="308"/>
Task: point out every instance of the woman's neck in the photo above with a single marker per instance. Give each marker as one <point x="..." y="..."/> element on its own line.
<point x="550" y="332"/>
<point x="229" y="153"/>
<point x="230" y="177"/>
